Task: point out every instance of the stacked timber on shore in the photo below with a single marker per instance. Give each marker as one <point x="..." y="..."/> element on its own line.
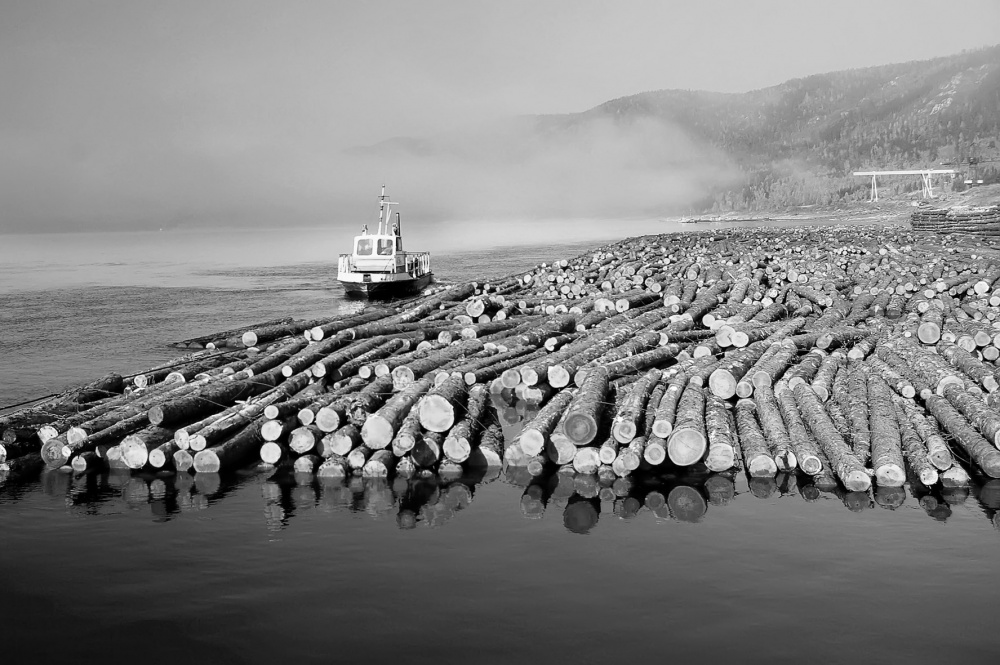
<point x="975" y="220"/>
<point x="855" y="356"/>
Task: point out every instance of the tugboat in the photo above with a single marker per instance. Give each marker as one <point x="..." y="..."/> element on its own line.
<point x="378" y="267"/>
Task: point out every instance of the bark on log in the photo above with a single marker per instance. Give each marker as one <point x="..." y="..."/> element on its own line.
<point x="627" y="420"/>
<point x="688" y="441"/>
<point x="721" y="435"/>
<point x="803" y="445"/>
<point x="582" y="416"/>
<point x="233" y="453"/>
<point x="887" y="455"/>
<point x="938" y="451"/>
<point x="846" y="465"/>
<point x="734" y="367"/>
<point x="464" y="436"/>
<point x="774" y="429"/>
<point x="985" y="455"/>
<point x="982" y="417"/>
<point x="914" y="450"/>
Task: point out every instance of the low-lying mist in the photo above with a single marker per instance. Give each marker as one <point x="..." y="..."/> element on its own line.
<point x="518" y="171"/>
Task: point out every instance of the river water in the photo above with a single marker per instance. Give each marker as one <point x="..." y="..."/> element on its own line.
<point x="257" y="567"/>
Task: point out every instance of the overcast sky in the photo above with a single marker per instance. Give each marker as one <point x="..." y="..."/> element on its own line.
<point x="134" y="112"/>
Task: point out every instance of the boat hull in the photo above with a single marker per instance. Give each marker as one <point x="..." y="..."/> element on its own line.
<point x="385" y="289"/>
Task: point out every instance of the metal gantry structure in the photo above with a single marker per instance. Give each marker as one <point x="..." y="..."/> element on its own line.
<point x="926" y="176"/>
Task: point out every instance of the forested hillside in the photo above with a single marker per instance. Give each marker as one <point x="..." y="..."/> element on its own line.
<point x="789" y="145"/>
<point x="798" y="143"/>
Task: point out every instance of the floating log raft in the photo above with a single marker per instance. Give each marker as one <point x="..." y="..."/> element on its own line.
<point x="831" y="355"/>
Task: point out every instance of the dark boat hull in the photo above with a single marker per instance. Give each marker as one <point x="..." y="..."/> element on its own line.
<point x="388" y="289"/>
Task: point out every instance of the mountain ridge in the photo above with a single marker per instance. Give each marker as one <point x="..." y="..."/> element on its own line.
<point x="795" y="143"/>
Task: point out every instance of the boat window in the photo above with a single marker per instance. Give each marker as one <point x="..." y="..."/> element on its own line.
<point x="364" y="247"/>
<point x="385" y="247"/>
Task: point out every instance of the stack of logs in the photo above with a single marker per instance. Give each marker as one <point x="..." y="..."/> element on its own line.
<point x="854" y="355"/>
<point x="975" y="220"/>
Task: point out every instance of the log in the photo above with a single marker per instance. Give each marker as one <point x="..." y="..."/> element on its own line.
<point x="582" y="416"/>
<point x="807" y="454"/>
<point x="822" y="383"/>
<point x="380" y="428"/>
<point x="887" y="455"/>
<point x="723" y="380"/>
<point x="302" y="440"/>
<point x="135" y="448"/>
<point x="427" y="450"/>
<point x="688" y="442"/>
<point x="231" y="454"/>
<point x="341" y="442"/>
<point x="979" y="414"/>
<point x="857" y="413"/>
<point x="721" y="433"/>
<point x="162" y="456"/>
<point x="984" y="454"/>
<point x="845" y="464"/>
<point x="627" y="420"/>
<point x="464" y="436"/>
<point x="380" y="465"/>
<point x="938" y="451"/>
<point x="210" y="398"/>
<point x="666" y="411"/>
<point x="915" y="451"/>
<point x="439" y="407"/>
<point x="490" y="451"/>
<point x="408" y="432"/>
<point x="774" y="429"/>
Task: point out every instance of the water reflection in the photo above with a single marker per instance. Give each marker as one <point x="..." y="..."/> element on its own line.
<point x="435" y="499"/>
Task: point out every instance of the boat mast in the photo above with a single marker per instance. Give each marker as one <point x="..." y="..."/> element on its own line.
<point x="383" y="212"/>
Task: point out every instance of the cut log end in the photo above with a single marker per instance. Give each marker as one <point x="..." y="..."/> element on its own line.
<point x="686" y="447"/>
<point x="857" y="481"/>
<point x="929" y="477"/>
<point x="437" y="414"/>
<point x="558" y="377"/>
<point x="810" y="464"/>
<point x="271" y="452"/>
<point x="207" y="461"/>
<point x="662" y="428"/>
<point x="762" y="466"/>
<point x="157" y="458"/>
<point x="654" y="454"/>
<point x="722" y="383"/>
<point x="510" y="378"/>
<point x="929" y="332"/>
<point x="155" y="415"/>
<point x="377" y="432"/>
<point x="581" y="428"/>
<point x="183" y="460"/>
<point x="55" y="453"/>
<point x="786" y="461"/>
<point x="624" y="431"/>
<point x="532" y="442"/>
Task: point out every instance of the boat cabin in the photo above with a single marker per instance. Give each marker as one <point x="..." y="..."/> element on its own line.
<point x="379" y="252"/>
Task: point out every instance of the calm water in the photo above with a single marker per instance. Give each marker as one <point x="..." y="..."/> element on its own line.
<point x="258" y="567"/>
